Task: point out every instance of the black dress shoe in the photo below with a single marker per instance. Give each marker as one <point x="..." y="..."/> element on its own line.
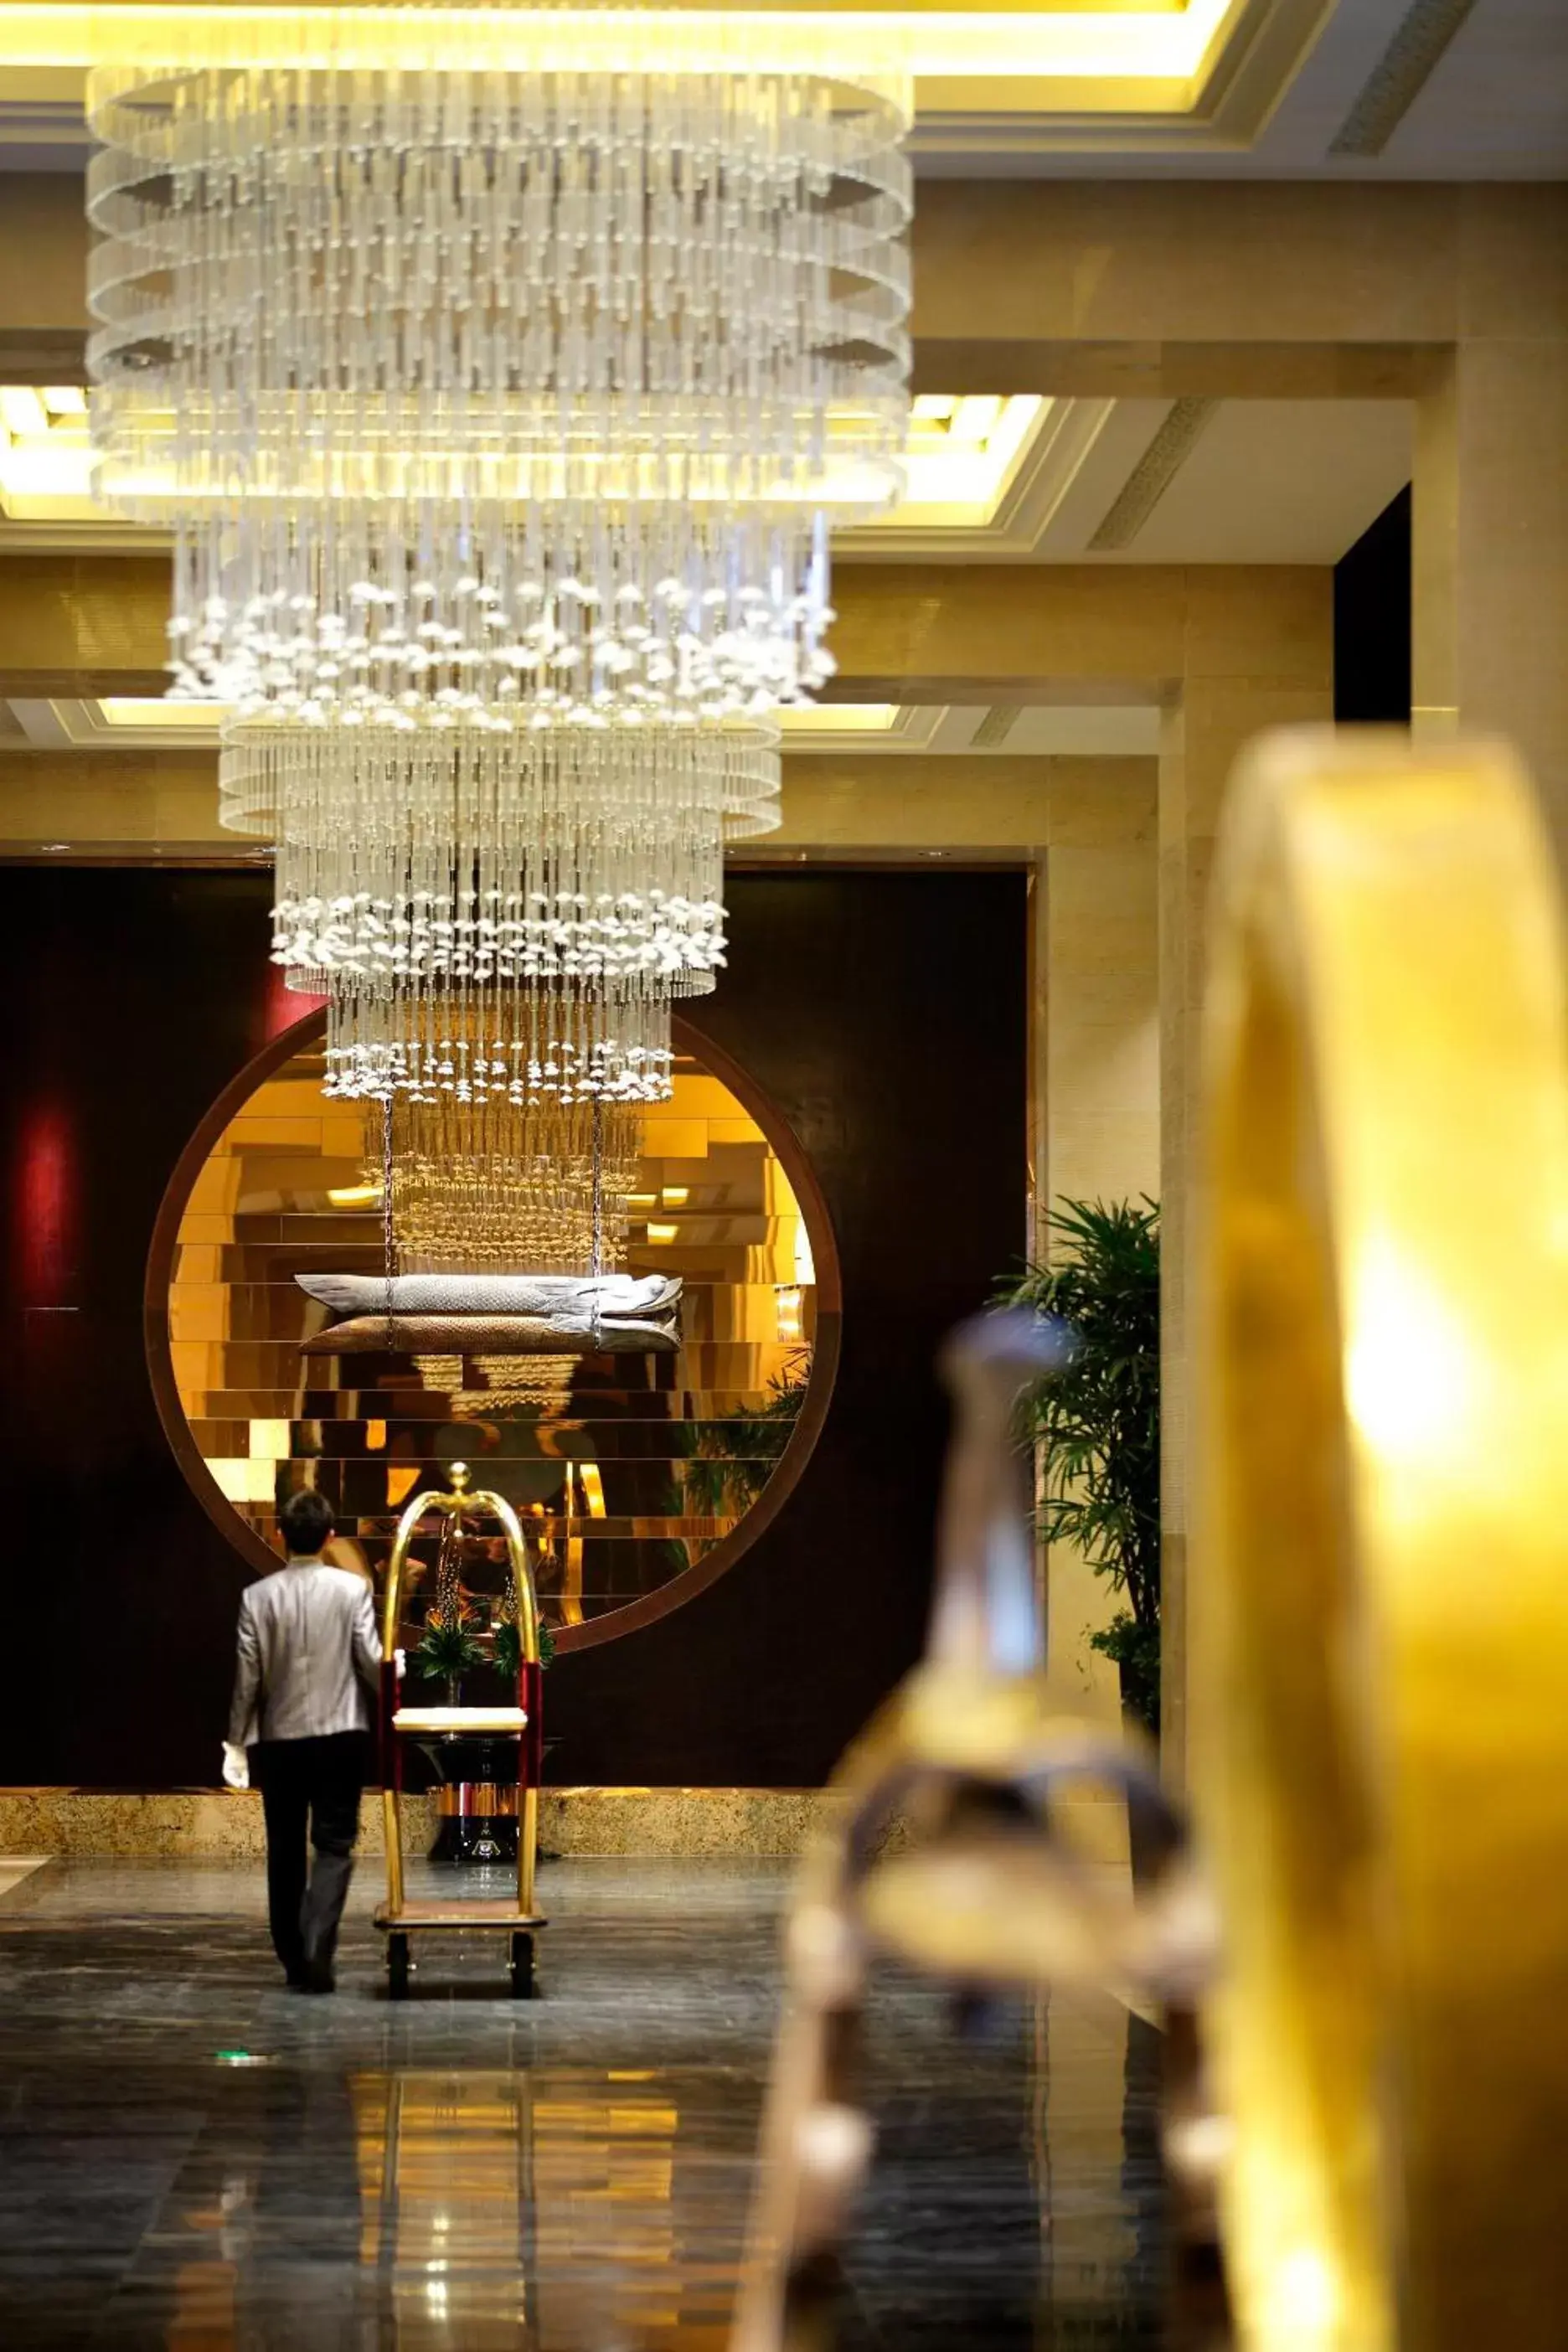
<point x="316" y="1976"/>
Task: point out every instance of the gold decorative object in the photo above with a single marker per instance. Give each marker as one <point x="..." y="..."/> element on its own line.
<point x="275" y="1181"/>
<point x="937" y="1845"/>
<point x="1380" y="1576"/>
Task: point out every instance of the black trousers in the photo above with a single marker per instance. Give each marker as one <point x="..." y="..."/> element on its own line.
<point x="315" y="1782"/>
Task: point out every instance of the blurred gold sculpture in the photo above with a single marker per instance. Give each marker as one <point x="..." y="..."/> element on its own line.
<point x="1379" y="1578"/>
<point x="938" y="1845"/>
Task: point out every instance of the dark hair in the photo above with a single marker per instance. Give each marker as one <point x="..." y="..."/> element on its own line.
<point x="305" y="1521"/>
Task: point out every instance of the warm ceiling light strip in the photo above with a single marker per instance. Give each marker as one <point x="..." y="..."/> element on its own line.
<point x="1156" y="39"/>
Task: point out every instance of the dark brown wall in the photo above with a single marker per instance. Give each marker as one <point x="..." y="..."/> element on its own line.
<point x="883" y="1013"/>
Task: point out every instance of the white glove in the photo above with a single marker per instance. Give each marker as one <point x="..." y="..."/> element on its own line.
<point x="235" y="1766"/>
<point x="400" y="1661"/>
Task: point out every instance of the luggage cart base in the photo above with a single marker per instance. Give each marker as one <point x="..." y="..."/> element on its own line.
<point x="520" y="1927"/>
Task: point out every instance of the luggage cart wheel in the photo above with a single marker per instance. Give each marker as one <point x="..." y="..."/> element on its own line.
<point x="397" y="1967"/>
<point x="522" y="1985"/>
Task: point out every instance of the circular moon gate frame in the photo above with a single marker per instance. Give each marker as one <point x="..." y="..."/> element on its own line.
<point x="1379" y="1612"/>
<point x="681" y="1588"/>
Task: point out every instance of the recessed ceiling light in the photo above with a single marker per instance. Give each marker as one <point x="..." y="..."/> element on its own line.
<point x="55" y="848"/>
<point x="22" y="413"/>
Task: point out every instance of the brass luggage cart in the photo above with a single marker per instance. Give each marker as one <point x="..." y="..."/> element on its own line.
<point x="398" y="1918"/>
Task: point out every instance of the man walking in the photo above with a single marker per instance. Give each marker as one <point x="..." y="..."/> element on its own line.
<point x="309" y="1661"/>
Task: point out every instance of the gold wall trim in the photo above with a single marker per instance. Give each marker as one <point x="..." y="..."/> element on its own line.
<point x="1221" y="108"/>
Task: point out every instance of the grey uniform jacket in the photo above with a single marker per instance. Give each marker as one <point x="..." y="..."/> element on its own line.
<point x="308" y="1655"/>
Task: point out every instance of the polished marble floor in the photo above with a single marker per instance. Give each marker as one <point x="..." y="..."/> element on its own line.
<point x="190" y="2157"/>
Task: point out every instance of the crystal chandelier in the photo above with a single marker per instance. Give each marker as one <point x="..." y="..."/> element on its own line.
<point x="500" y="374"/>
<point x="535" y="386"/>
<point x="439" y="852"/>
<point x="493" y="914"/>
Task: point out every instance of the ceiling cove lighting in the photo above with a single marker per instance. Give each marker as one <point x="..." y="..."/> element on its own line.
<point x="1163" y="40"/>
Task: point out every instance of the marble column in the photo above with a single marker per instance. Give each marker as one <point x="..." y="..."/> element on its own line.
<point x="1490" y="601"/>
<point x="1098" y="1058"/>
<point x="1260" y="655"/>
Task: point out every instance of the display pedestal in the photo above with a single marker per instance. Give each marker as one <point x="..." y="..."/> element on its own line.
<point x="476" y="1798"/>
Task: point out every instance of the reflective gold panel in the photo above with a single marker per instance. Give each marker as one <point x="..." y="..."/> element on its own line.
<point x="627" y="1470"/>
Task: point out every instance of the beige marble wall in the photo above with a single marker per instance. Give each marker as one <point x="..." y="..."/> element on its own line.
<point x="1088" y="827"/>
<point x="1100" y="1058"/>
<point x="125" y="804"/>
<point x="1491" y="547"/>
<point x="1117" y="271"/>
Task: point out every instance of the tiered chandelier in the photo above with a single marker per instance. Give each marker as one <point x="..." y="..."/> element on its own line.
<point x="501" y="387"/>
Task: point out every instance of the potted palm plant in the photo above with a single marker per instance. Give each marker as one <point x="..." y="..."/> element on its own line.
<point x="1097" y="1421"/>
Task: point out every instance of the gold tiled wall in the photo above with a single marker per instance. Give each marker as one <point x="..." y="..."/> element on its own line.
<point x="640" y="1464"/>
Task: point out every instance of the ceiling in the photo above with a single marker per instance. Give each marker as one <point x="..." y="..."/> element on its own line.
<point x="1409" y="90"/>
<point x="1418" y="89"/>
<point x="1021" y="480"/>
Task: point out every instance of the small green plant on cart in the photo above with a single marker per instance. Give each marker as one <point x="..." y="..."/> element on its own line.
<point x="506" y="1646"/>
<point x="449" y="1648"/>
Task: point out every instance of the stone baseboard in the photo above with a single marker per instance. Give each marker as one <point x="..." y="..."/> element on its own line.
<point x="218" y="1825"/>
<point x="691" y="1824"/>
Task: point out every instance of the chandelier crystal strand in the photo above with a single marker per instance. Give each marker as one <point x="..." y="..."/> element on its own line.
<point x="473" y="852"/>
<point x="563" y="615"/>
<point x="476" y="1187"/>
<point x="507" y="1041"/>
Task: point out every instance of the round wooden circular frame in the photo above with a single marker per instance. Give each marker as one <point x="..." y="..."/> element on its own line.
<point x="688" y="1039"/>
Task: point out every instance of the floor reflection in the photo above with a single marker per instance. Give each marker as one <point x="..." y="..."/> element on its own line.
<point x="191" y="2159"/>
<point x="539" y="2206"/>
